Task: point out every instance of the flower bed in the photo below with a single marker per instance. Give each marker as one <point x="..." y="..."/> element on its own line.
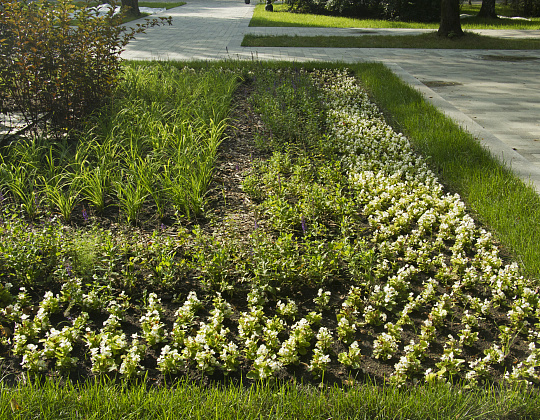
<point x="356" y="263"/>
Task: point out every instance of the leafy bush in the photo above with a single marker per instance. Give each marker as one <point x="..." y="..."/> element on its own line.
<point x="337" y="7"/>
<point x="411" y="10"/>
<point x="364" y="8"/>
<point x="59" y="61"/>
<point x="28" y="255"/>
<point x="304" y="6"/>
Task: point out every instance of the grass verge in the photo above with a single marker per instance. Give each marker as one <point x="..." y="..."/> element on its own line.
<point x="424" y="41"/>
<point x="281" y="18"/>
<point x="186" y="400"/>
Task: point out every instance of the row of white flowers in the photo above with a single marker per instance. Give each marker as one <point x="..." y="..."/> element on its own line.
<point x="412" y="216"/>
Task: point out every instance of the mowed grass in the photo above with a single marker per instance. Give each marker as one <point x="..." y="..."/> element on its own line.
<point x="427" y="40"/>
<point x="185" y="400"/>
<point x="280" y="17"/>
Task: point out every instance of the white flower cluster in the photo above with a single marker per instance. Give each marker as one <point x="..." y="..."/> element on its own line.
<point x="322" y="300"/>
<point x="297" y="343"/>
<point x="352" y="358"/>
<point x="131" y="360"/>
<point x="107" y="346"/>
<point x="266" y="363"/>
<point x="185" y="318"/>
<point x="58" y="344"/>
<point x="153" y="329"/>
<point x="410" y="363"/>
<point x="481" y="367"/>
<point x="450" y="363"/>
<point x="254" y="326"/>
<point x="209" y="348"/>
<point x="321" y="357"/>
<point x="288" y="309"/>
<point x="110" y="350"/>
<point x="28" y="331"/>
<point x="387" y="343"/>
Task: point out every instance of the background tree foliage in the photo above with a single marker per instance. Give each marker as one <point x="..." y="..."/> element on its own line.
<point x="526" y="8"/>
<point x="402" y="10"/>
<point x="405" y="10"/>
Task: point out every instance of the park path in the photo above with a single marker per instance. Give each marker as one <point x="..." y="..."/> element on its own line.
<point x="494" y="94"/>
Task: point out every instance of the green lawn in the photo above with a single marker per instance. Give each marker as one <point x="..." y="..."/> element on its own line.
<point x="424" y="41"/>
<point x="280" y="17"/>
<point x="105" y="400"/>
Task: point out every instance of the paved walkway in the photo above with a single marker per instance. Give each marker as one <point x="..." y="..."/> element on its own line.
<point x="493" y="94"/>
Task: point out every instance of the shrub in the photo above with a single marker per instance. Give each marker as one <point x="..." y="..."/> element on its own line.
<point x="412" y="10"/>
<point x="59" y="61"/>
<point x="363" y="8"/>
<point x="333" y="7"/>
<point x="305" y="6"/>
<point x="404" y="10"/>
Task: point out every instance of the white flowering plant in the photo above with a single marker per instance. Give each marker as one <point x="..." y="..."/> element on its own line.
<point x="153" y="329"/>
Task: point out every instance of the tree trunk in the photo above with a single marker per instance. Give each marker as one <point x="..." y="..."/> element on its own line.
<point x="488" y="9"/>
<point x="450" y="22"/>
<point x="131" y="7"/>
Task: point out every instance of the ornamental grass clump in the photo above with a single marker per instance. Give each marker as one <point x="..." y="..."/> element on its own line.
<point x="147" y="154"/>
